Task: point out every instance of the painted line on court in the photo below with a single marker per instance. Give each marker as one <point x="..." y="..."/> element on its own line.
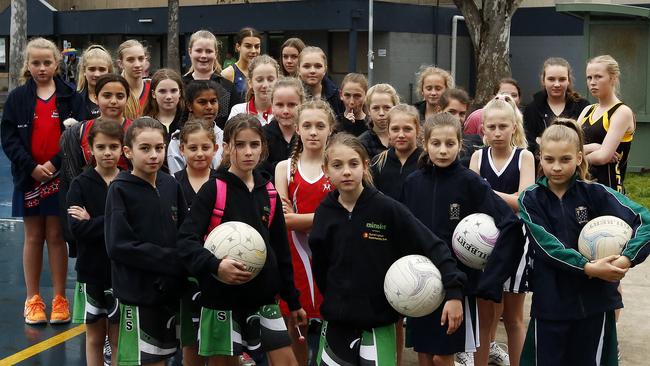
<point x="11" y="220"/>
<point x="43" y="346"/>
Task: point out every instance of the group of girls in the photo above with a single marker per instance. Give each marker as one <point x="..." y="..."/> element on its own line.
<point x="246" y="144"/>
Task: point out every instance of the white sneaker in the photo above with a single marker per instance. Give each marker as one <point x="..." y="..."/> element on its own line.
<point x="498" y="355"/>
<point x="464" y="359"/>
<point x="107" y="353"/>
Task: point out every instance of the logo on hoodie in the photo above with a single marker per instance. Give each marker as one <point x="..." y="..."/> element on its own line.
<point x="265" y="215"/>
<point x="375" y="231"/>
<point x="174" y="210"/>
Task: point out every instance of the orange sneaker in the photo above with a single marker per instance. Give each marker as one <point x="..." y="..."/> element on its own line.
<point x="34" y="312"/>
<point x="60" y="310"/>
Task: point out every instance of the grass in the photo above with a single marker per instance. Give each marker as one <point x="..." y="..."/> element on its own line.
<point x="637" y="187"/>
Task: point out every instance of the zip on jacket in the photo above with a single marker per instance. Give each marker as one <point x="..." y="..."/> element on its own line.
<point x="89" y="190"/>
<point x="442" y="197"/>
<point x="561" y="289"/>
<point x="351" y="252"/>
<point x="140" y="228"/>
<point x="17" y="121"/>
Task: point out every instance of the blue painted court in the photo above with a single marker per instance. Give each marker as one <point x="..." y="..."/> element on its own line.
<point x="22" y="344"/>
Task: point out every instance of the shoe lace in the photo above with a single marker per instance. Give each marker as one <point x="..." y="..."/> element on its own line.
<point x="59" y="304"/>
<point x="463" y="357"/>
<point x="34" y="305"/>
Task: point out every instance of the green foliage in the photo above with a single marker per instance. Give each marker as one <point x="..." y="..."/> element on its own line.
<point x="637" y="187"/>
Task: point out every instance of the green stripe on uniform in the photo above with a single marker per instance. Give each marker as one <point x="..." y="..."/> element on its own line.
<point x="323" y="342"/>
<point x="215" y="333"/>
<point x="79" y="306"/>
<point x="550" y="244"/>
<point x="128" y="349"/>
<point x="384" y="341"/>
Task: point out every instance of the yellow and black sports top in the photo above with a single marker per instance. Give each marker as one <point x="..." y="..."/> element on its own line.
<point x="610" y="174"/>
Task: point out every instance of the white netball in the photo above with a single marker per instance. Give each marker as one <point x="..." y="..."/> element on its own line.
<point x="238" y="241"/>
<point x="604" y="236"/>
<point x="473" y="240"/>
<point x="413" y="286"/>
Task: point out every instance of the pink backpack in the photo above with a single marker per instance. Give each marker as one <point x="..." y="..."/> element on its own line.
<point x="220" y="203"/>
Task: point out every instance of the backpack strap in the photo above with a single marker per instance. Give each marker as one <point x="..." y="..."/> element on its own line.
<point x="219" y="204"/>
<point x="273" y="198"/>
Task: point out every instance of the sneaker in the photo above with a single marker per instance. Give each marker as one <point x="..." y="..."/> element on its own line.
<point x="464" y="359"/>
<point x="34" y="312"/>
<point x="498" y="355"/>
<point x="60" y="310"/>
<point x="246" y="360"/>
<point x="107" y="352"/>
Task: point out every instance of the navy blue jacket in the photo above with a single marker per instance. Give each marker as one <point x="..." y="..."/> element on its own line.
<point x="16" y="126"/>
<point x="140" y="228"/>
<point x="561" y="289"/>
<point x="442" y="197"/>
<point x="351" y="252"/>
<point x="89" y="190"/>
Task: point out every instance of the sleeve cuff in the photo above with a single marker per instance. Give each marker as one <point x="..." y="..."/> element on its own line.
<point x="294" y="303"/>
<point x="455" y="293"/>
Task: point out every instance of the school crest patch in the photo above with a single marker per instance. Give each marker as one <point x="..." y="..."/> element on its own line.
<point x="454" y="211"/>
<point x="582" y="214"/>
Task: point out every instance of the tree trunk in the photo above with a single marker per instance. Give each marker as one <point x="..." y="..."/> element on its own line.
<point x="489" y="29"/>
<point x="17" y="41"/>
<point x="173" y="55"/>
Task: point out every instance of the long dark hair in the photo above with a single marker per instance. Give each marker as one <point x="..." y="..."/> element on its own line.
<point x="234" y="126"/>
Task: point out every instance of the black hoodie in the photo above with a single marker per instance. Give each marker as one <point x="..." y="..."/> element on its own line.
<point x="251" y="207"/>
<point x="228" y="96"/>
<point x="279" y="148"/>
<point x="389" y="175"/>
<point x="89" y="190"/>
<point x="140" y="229"/>
<point x="351" y="252"/>
<point x="538" y="115"/>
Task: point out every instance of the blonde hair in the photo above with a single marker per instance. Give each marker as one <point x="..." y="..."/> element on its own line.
<point x="132" y="108"/>
<point x="289" y="82"/>
<point x="566" y="130"/>
<point x="382" y="89"/>
<point x="345" y="139"/>
<point x="40" y="43"/>
<point x="257" y="61"/>
<point x="204" y="34"/>
<point x="401" y="108"/>
<point x="611" y="65"/>
<point x="312" y="49"/>
<point x="318" y="104"/>
<point x="428" y="70"/>
<point x="506" y="104"/>
<point x="94" y="51"/>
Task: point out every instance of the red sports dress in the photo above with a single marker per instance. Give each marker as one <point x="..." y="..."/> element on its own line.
<point x="306" y="196"/>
